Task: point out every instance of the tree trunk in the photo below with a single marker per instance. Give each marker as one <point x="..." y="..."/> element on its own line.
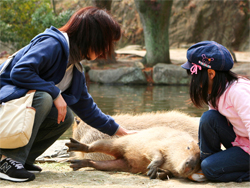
<point x="53" y="3"/>
<point x="105" y="4"/>
<point x="155" y="17"/>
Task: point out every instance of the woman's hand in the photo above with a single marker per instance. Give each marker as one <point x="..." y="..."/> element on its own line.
<point x="122" y="131"/>
<point x="61" y="106"/>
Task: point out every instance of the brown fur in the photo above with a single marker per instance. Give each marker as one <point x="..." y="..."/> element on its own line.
<point x="169" y="133"/>
<point x="173" y="119"/>
<point x="161" y="149"/>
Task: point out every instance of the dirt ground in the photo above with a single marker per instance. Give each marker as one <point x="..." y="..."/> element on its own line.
<point x="59" y="175"/>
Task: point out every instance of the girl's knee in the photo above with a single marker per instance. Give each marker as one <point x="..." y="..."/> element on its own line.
<point x="209" y="118"/>
<point x="207" y="170"/>
<point x="206" y="120"/>
<point x="210" y="115"/>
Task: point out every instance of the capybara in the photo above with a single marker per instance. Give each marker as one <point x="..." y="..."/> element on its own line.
<point x="174" y="119"/>
<point x="158" y="151"/>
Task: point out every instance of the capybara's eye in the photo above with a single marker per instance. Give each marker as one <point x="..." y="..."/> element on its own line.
<point x="188" y="148"/>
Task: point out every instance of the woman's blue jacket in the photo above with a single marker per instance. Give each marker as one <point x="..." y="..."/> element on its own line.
<point x="41" y="65"/>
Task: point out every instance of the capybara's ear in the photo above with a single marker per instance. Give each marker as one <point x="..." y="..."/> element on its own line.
<point x="77" y="120"/>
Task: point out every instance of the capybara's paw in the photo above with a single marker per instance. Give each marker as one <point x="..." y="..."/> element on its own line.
<point x="77" y="164"/>
<point x="152" y="173"/>
<point x="164" y="174"/>
<point x="74" y="145"/>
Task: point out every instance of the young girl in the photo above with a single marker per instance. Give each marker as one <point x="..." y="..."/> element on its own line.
<point x="227" y="121"/>
<point x="50" y="65"/>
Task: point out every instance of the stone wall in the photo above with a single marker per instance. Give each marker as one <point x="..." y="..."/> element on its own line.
<point x="163" y="74"/>
<point x="224" y="21"/>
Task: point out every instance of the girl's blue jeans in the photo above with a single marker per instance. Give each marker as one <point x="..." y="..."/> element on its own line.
<point x="45" y="130"/>
<point x="219" y="165"/>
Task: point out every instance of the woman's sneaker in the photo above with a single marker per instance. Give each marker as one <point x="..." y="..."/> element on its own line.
<point x="198" y="176"/>
<point x="14" y="171"/>
<point x="32" y="168"/>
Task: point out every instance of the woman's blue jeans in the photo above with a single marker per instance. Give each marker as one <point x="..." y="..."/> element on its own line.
<point x="219" y="165"/>
<point x="45" y="130"/>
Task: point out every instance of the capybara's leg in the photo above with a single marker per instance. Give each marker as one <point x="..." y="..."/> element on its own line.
<point x="74" y="145"/>
<point x="101" y="146"/>
<point x="156" y="161"/>
<point x="112" y="165"/>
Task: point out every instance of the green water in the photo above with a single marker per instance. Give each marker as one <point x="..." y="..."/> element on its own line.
<point x="136" y="99"/>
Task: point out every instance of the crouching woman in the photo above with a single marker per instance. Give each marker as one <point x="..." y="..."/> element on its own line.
<point x="50" y="65"/>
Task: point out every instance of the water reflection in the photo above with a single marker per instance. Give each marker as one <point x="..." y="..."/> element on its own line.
<point x="136" y="99"/>
<point x="140" y="98"/>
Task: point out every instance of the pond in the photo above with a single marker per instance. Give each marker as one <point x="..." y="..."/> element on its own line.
<point x="113" y="99"/>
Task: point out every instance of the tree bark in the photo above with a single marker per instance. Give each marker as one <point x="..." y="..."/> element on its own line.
<point x="53" y="3"/>
<point x="155" y="18"/>
<point x="105" y="4"/>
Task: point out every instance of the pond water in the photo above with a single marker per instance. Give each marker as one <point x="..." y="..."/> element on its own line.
<point x="113" y="99"/>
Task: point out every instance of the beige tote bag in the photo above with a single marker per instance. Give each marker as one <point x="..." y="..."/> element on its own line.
<point x="16" y="121"/>
<point x="16" y="118"/>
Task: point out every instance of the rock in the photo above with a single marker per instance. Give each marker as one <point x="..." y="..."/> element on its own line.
<point x="131" y="47"/>
<point x="243" y="70"/>
<point x="196" y="20"/>
<point x="123" y="75"/>
<point x="132" y="71"/>
<point x="170" y="74"/>
<point x="55" y="153"/>
<point x="139" y="65"/>
<point x="191" y="21"/>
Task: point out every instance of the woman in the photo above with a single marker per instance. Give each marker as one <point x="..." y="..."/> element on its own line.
<point x="50" y="65"/>
<point x="227" y="121"/>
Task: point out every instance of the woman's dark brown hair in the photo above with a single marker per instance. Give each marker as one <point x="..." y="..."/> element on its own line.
<point x="199" y="87"/>
<point x="91" y="28"/>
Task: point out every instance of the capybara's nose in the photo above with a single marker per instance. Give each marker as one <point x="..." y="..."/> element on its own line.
<point x="193" y="162"/>
<point x="191" y="165"/>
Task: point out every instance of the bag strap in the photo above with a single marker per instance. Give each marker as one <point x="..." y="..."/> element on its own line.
<point x="8" y="61"/>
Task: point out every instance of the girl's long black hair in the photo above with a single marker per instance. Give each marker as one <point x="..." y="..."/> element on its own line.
<point x="199" y="87"/>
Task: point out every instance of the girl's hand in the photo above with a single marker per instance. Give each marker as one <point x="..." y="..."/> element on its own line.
<point x="61" y="106"/>
<point x="122" y="131"/>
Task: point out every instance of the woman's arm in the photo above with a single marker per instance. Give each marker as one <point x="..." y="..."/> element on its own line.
<point x="122" y="131"/>
<point x="88" y="111"/>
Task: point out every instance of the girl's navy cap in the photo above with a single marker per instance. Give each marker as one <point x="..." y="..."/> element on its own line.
<point x="209" y="54"/>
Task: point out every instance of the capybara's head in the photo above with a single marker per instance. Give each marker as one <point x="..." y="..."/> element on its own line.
<point x="186" y="158"/>
<point x="191" y="164"/>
